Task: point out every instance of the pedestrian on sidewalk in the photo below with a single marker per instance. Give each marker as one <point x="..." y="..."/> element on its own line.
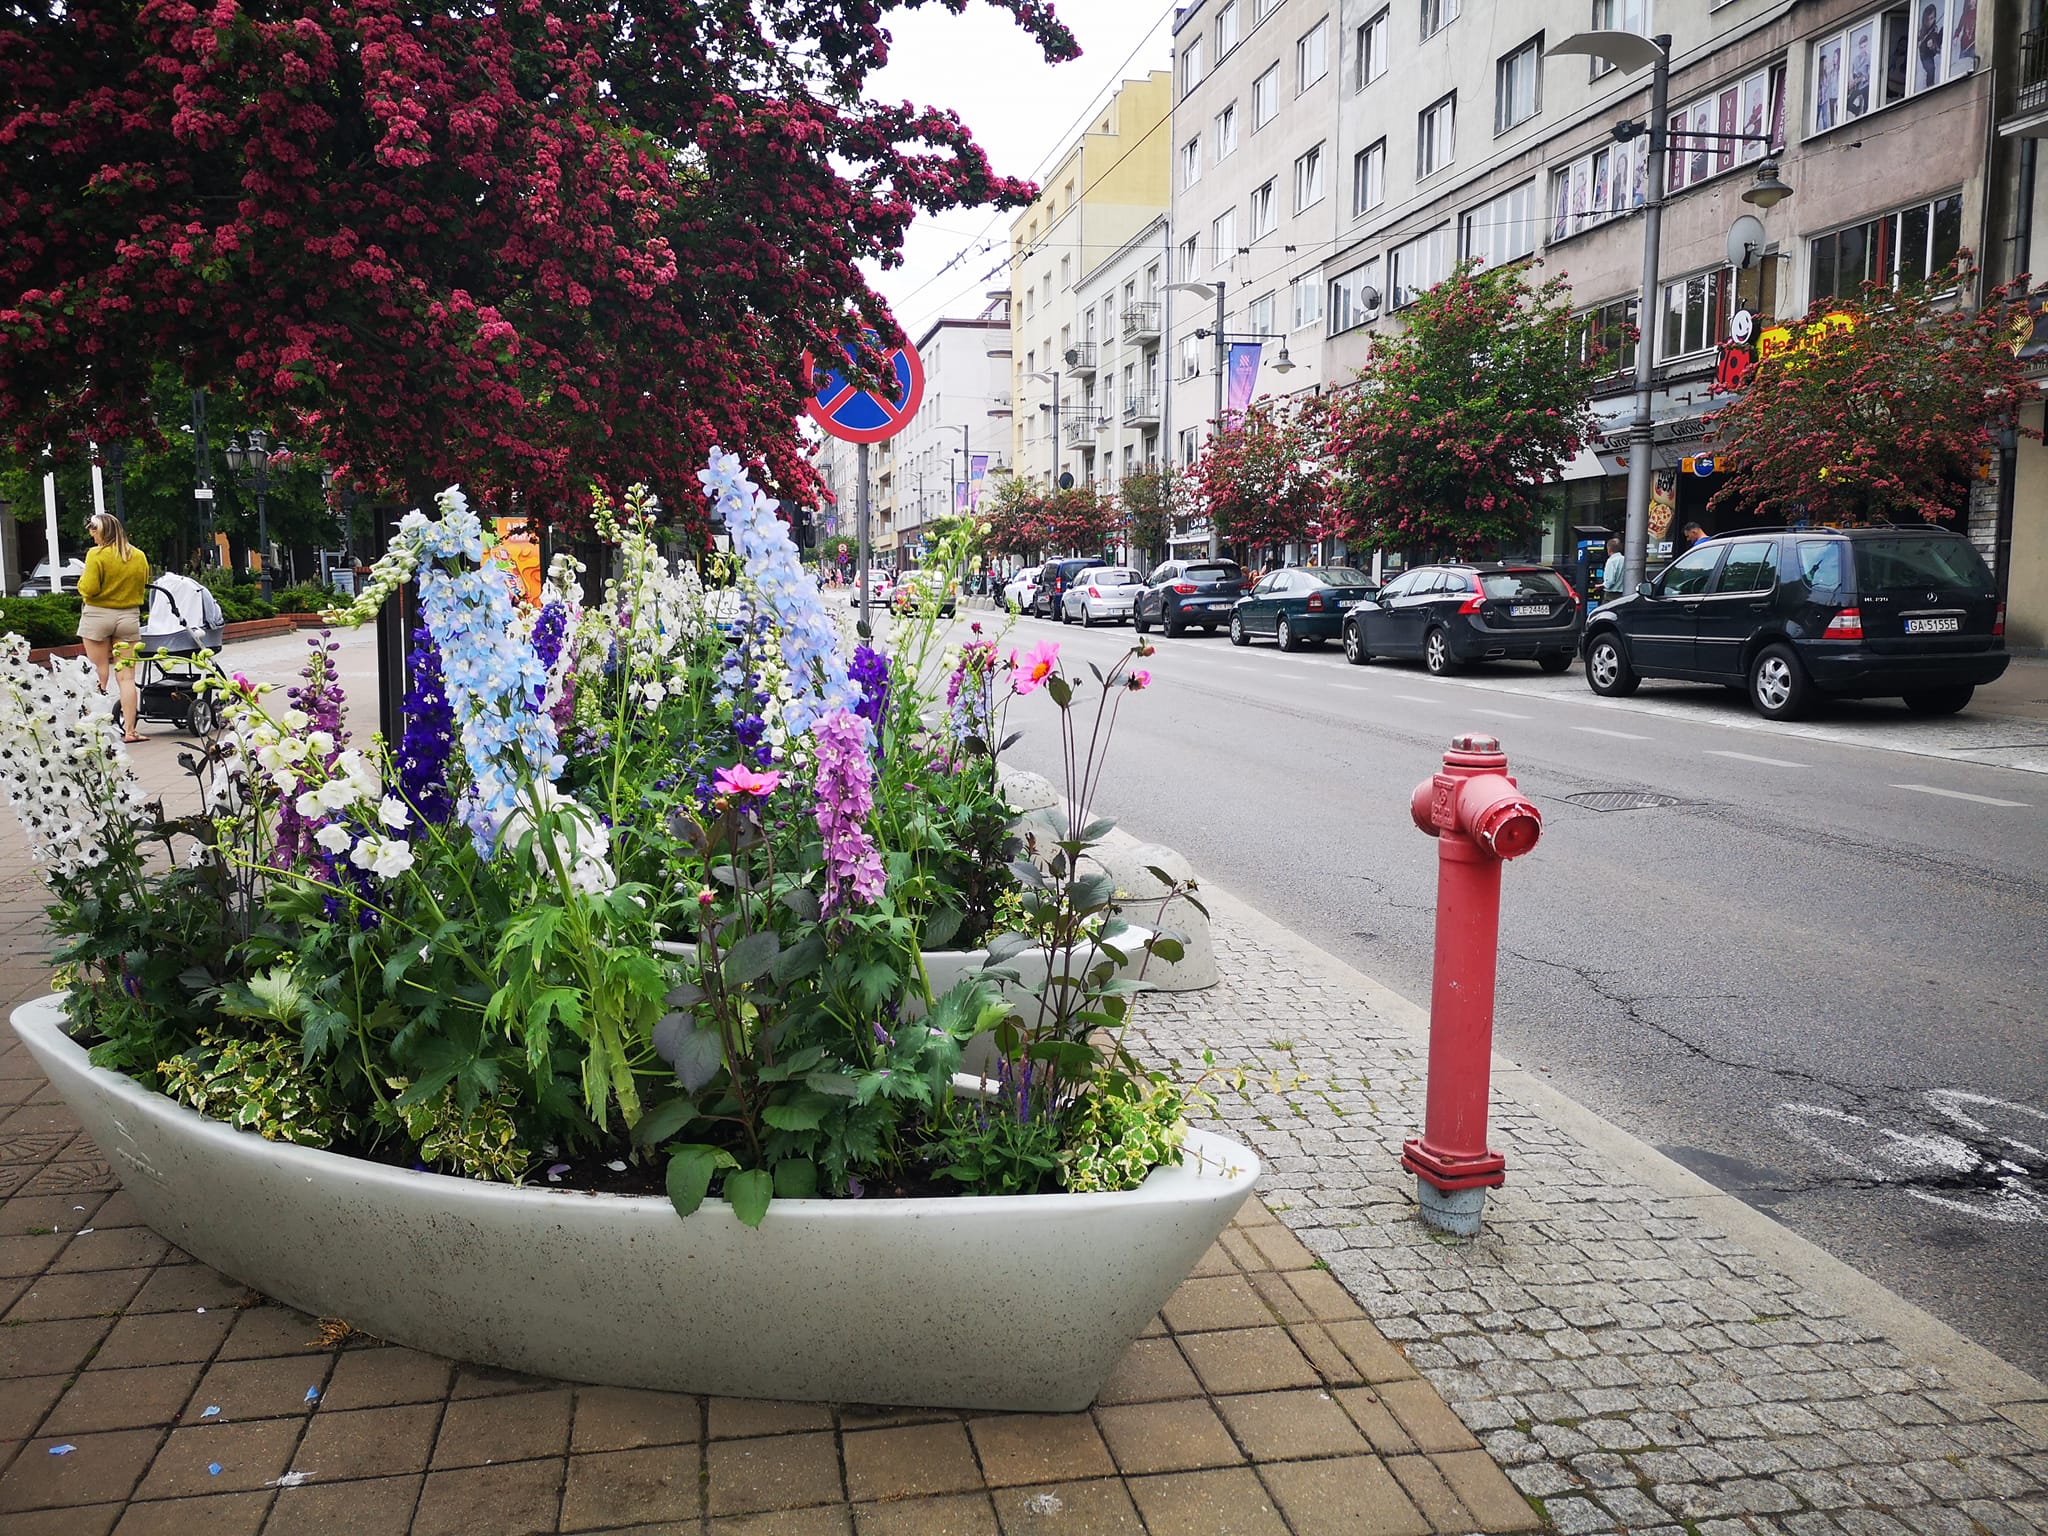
<point x="111" y="592"/>
<point x="1614" y="572"/>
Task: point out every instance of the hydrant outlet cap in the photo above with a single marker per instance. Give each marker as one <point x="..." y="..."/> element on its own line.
<point x="1511" y="829"/>
<point x="1475" y="741"/>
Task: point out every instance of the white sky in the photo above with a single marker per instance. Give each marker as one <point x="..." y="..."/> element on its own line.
<point x="1021" y="111"/>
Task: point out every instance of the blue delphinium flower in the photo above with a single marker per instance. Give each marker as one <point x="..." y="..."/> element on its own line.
<point x="810" y="642"/>
<point x="429" y="734"/>
<point x="870" y="670"/>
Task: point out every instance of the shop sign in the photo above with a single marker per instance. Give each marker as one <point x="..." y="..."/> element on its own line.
<point x="1737" y="358"/>
<point x="1705" y="464"/>
<point x="1786" y="338"/>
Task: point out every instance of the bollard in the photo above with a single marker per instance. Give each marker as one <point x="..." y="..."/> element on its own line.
<point x="1478" y="818"/>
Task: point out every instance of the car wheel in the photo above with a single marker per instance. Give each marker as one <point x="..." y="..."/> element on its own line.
<point x="1284" y="633"/>
<point x="1354" y="646"/>
<point x="1941" y="701"/>
<point x="1167" y="627"/>
<point x="1087" y="617"/>
<point x="1436" y="652"/>
<point x="1139" y="622"/>
<point x="1608" y="672"/>
<point x="1237" y="634"/>
<point x="1554" y="663"/>
<point x="1778" y="689"/>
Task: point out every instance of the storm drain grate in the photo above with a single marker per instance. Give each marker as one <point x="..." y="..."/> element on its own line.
<point x="1622" y="800"/>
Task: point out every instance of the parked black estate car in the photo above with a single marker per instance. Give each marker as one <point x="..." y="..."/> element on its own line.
<point x="1788" y="613"/>
<point x="1448" y="614"/>
<point x="1185" y="592"/>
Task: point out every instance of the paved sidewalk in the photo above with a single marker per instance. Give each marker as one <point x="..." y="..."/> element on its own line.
<point x="1635" y="1366"/>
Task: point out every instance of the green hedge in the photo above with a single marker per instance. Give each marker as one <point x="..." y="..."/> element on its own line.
<point x="48" y="620"/>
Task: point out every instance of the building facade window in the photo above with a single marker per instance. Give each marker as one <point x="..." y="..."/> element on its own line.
<point x="1438" y="14"/>
<point x="1190" y="356"/>
<point x="1502" y="229"/>
<point x="1417" y="266"/>
<point x="1265" y="98"/>
<point x="1354" y="296"/>
<point x="1312" y="55"/>
<point x="1066" y="273"/>
<point x="1227" y="28"/>
<point x="1190" y="445"/>
<point x="1226" y="131"/>
<point x="1369" y="177"/>
<point x="1436" y="136"/>
<point x="1258" y="316"/>
<point x="1619" y="16"/>
<point x="1754" y="104"/>
<point x="1369" y="51"/>
<point x="1191" y="64"/>
<point x="1597" y="187"/>
<point x="1908" y="246"/>
<point x="1308" y="179"/>
<point x="1884" y="57"/>
<point x="1608" y="337"/>
<point x="1694" y="314"/>
<point x="1190" y="258"/>
<point x="1265" y="209"/>
<point x="1306" y="307"/>
<point x="1517" y="85"/>
<point x="1191" y="162"/>
<point x="1223" y="234"/>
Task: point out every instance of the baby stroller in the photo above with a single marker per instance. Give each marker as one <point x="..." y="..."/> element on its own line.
<point x="183" y="620"/>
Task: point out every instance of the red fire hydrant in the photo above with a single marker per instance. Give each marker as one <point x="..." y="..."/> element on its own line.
<point x="1478" y="818"/>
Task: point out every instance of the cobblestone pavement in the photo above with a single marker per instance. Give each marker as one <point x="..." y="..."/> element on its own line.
<point x="1632" y="1366"/>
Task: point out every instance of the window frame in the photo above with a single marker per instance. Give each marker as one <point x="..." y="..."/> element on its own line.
<point x="1533" y="47"/>
<point x="1895" y="218"/>
<point x="1951" y="64"/>
<point x="1228" y="11"/>
<point x="1363" y="74"/>
<point x="1361" y="164"/>
<point x="1441" y="12"/>
<point x="1438" y="241"/>
<point x="1315" y="159"/>
<point x="1226" y="131"/>
<point x="1190" y="162"/>
<point x="1646" y="29"/>
<point x="1265" y="196"/>
<point x="1717" y="304"/>
<point x="1349" y="284"/>
<point x="1424" y="135"/>
<point x="1303" y="80"/>
<point x="1191" y="71"/>
<point x="1223" y="235"/>
<point x="1499" y="213"/>
<point x="1267" y="83"/>
<point x="1626" y="162"/>
<point x="1312" y="284"/>
<point x="1694" y="166"/>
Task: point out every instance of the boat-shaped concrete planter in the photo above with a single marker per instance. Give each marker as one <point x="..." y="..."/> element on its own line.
<point x="1021" y="1302"/>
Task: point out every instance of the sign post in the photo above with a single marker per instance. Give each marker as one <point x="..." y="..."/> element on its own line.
<point x="864" y="416"/>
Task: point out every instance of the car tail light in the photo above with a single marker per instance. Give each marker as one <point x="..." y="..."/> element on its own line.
<point x="1471" y="604"/>
<point x="1846" y="625"/>
<point x="1570" y="588"/>
<point x="1092" y="592"/>
<point x="1998" y="620"/>
<point x="1315" y="602"/>
<point x="1183" y="587"/>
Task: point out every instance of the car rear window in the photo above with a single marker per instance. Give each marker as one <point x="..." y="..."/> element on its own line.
<point x="1512" y="586"/>
<point x="1112" y="576"/>
<point x="1339" y="576"/>
<point x="1889" y="564"/>
<point x="1219" y="570"/>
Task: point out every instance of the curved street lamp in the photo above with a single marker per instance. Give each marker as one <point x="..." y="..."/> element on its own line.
<point x="250" y="465"/>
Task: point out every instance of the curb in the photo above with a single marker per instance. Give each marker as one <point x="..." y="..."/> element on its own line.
<point x="1999" y="1384"/>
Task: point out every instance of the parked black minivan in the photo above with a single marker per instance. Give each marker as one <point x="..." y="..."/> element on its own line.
<point x="1790" y="613"/>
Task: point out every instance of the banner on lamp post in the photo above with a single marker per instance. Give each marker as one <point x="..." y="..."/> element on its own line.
<point x="1242" y="377"/>
<point x="975" y="478"/>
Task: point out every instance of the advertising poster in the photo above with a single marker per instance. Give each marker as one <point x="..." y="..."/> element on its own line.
<point x="1242" y="378"/>
<point x="519" y="552"/>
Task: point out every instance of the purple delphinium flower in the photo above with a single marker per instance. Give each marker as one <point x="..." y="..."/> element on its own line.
<point x="844" y="789"/>
<point x="320" y="699"/>
<point x="870" y="671"/>
<point x="429" y="737"/>
<point x="548" y="632"/>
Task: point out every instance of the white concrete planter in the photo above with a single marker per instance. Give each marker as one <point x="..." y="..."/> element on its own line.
<point x="1024" y="1302"/>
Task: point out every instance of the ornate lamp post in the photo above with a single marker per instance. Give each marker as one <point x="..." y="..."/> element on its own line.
<point x="251" y="466"/>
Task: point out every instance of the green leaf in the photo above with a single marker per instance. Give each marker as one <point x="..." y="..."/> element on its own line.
<point x="749" y="1192"/>
<point x="699" y="1055"/>
<point x="1006" y="945"/>
<point x="941" y="926"/>
<point x="801" y="959"/>
<point x="663" y="1121"/>
<point x="689" y="1176"/>
<point x="1091" y="892"/>
<point x="802" y="1113"/>
<point x="1058" y="687"/>
<point x="796" y="1178"/>
<point x="802" y="903"/>
<point x="749" y="959"/>
<point x="1168" y="948"/>
<point x="1098" y="829"/>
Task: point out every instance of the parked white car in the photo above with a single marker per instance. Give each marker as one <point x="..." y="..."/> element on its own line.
<point x="1020" y="589"/>
<point x="1102" y="594"/>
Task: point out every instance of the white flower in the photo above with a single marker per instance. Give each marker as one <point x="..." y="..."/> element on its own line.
<point x="383" y="857"/>
<point x="394" y="813"/>
<point x="311" y="804"/>
<point x="320" y="743"/>
<point x="334" y="837"/>
<point x="295" y="720"/>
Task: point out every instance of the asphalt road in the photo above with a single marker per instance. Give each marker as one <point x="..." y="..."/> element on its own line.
<point x="1815" y="978"/>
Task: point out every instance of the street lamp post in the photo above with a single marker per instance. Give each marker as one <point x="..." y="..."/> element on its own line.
<point x="251" y="465"/>
<point x="1629" y="52"/>
<point x="1283" y="364"/>
<point x="116" y="455"/>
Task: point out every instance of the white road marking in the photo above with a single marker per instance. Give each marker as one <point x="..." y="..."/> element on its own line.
<point x="1351" y="687"/>
<point x="1751" y="757"/>
<point x="1416" y="698"/>
<point x="1498" y="714"/>
<point x="1594" y="730"/>
<point x="1957" y="794"/>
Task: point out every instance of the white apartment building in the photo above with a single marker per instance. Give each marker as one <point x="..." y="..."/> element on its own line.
<point x="1256" y="194"/>
<point x="1116" y="423"/>
<point x="966" y="378"/>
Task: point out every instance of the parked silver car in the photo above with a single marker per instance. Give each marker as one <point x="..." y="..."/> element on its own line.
<point x="1102" y="594"/>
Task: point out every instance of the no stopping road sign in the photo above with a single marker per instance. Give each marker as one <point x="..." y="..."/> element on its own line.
<point x="858" y="415"/>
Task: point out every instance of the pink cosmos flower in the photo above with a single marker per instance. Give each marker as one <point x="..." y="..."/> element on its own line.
<point x="1036" y="666"/>
<point x="1140" y="679"/>
<point x="744" y="781"/>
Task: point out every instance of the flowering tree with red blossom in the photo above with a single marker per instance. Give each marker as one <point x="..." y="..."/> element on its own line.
<point x="1459" y="423"/>
<point x="525" y="245"/>
<point x="1265" y="480"/>
<point x="1876" y="406"/>
<point x="1025" y="519"/>
<point x="1149" y="502"/>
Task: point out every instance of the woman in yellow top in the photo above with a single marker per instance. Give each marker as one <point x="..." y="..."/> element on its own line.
<point x="112" y="590"/>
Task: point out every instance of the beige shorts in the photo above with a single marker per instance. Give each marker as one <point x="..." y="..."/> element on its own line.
<point x="109" y="624"/>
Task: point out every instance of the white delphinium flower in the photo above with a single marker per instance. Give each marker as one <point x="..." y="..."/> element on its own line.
<point x="384" y="857"/>
<point x="334" y="837"/>
<point x="62" y="766"/>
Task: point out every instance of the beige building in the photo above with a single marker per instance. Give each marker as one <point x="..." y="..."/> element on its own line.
<point x="1110" y="184"/>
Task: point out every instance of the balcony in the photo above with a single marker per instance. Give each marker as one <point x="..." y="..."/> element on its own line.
<point x="1078" y="429"/>
<point x="2031" y="97"/>
<point x="1081" y="360"/>
<point x="1141" y="322"/>
<point x="1142" y="410"/>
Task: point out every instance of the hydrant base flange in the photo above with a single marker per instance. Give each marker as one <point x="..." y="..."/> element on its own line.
<point x="1455" y="1211"/>
<point x="1448" y="1173"/>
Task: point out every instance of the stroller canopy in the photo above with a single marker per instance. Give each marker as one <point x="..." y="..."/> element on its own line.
<point x="179" y="606"/>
